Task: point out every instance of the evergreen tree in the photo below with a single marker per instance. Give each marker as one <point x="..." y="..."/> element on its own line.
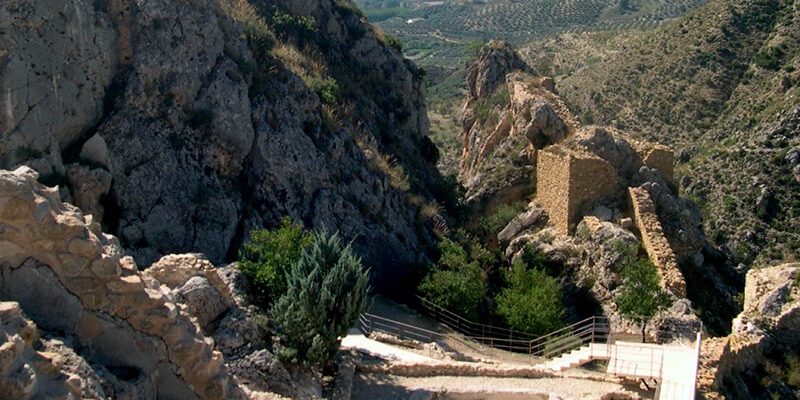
<point x="327" y="291"/>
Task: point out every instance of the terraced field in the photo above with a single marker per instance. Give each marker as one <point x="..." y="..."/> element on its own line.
<point x="436" y="32"/>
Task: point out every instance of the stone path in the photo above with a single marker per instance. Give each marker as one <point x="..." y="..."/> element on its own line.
<point x="379" y="386"/>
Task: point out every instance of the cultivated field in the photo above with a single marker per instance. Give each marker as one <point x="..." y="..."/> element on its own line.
<point x="436" y="32"/>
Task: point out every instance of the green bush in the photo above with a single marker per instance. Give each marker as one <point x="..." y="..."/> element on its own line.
<point x="267" y="257"/>
<point x="327" y="291"/>
<point x="327" y="89"/>
<point x="532" y="302"/>
<point x="491" y="225"/>
<point x="287" y="25"/>
<point x="769" y="58"/>
<point x="393" y="42"/>
<point x="456" y="283"/>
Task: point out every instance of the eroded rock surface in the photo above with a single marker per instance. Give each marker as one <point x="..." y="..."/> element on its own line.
<point x="509" y="113"/>
<point x="51" y="254"/>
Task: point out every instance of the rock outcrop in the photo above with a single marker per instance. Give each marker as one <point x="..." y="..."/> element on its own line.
<point x="51" y="254"/>
<point x="26" y="373"/>
<point x="765" y="332"/>
<point x="173" y="111"/>
<point x="509" y="113"/>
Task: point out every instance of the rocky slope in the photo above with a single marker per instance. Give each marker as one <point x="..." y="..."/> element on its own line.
<point x="758" y="360"/>
<point x="182" y="125"/>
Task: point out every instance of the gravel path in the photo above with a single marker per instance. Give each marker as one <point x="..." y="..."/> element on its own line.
<point x="386" y="387"/>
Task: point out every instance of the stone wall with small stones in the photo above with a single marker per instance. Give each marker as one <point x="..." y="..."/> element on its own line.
<point x="566" y="181"/>
<point x="591" y="179"/>
<point x="552" y="186"/>
<point x="655" y="242"/>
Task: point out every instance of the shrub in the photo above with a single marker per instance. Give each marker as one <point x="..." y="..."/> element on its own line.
<point x="456" y="283"/>
<point x="769" y="58"/>
<point x="393" y="42"/>
<point x="641" y="294"/>
<point x="266" y="259"/>
<point x="491" y="225"/>
<point x="287" y="25"/>
<point x="532" y="302"/>
<point x="327" y="291"/>
<point x="327" y="89"/>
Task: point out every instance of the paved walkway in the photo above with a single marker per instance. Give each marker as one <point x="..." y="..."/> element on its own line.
<point x="357" y="341"/>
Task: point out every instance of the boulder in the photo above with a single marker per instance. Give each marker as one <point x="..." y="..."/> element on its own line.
<point x="531" y="219"/>
<point x="204" y="302"/>
<point x="262" y="371"/>
<point x="89" y="187"/>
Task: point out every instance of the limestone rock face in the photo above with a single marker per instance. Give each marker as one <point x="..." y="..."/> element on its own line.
<point x="24" y="372"/>
<point x="89" y="187"/>
<point x="494" y="62"/>
<point x="53" y="254"/>
<point x="509" y="113"/>
<point x="768" y="325"/>
<point x="57" y="60"/>
<point x="191" y="141"/>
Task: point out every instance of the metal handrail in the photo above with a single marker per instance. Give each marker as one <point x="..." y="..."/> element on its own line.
<point x="589" y="330"/>
<point x="467" y="327"/>
<point x="371" y="323"/>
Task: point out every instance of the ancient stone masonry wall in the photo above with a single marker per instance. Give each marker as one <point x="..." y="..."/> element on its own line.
<point x="70" y="277"/>
<point x="567" y="181"/>
<point x="591" y="179"/>
<point x="655" y="243"/>
<point x="552" y="187"/>
<point x="656" y="156"/>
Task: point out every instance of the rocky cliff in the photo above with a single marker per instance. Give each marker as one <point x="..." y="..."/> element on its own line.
<point x="508" y="114"/>
<point x="182" y="125"/>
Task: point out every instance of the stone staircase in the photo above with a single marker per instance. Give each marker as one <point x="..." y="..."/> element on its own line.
<point x="578" y="357"/>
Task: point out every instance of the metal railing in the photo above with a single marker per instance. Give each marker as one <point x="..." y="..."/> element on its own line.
<point x="369" y="323"/>
<point x="591" y="330"/>
<point x="470" y="328"/>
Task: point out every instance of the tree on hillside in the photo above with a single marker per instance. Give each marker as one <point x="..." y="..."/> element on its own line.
<point x="642" y="295"/>
<point x="457" y="283"/>
<point x="326" y="292"/>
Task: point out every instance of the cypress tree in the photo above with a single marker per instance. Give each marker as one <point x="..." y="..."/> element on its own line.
<point x="327" y="291"/>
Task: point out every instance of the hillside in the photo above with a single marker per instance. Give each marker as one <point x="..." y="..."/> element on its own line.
<point x="719" y="84"/>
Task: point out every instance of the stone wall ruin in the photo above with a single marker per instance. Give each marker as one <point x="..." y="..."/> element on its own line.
<point x="655" y="242"/>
